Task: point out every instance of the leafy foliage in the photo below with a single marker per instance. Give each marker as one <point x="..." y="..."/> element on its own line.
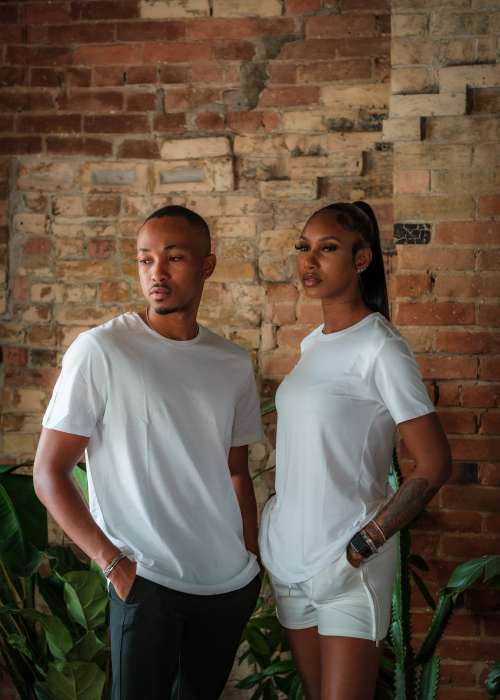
<point x="53" y="607"/>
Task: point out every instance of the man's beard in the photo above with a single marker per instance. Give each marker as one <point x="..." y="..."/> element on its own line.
<point x="162" y="311"/>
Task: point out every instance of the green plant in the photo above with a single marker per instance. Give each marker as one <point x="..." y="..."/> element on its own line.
<point x="53" y="607"/>
<point x="493" y="681"/>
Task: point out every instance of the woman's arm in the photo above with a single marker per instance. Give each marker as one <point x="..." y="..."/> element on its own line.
<point x="427" y="444"/>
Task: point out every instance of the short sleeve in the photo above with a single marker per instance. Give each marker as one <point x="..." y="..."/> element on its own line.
<point x="78" y="400"/>
<point x="247" y="426"/>
<point x="399" y="382"/>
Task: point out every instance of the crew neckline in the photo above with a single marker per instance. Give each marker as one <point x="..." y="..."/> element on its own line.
<point x="337" y="334"/>
<point x="170" y="341"/>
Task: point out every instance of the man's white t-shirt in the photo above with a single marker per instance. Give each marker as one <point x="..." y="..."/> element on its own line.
<point x="337" y="415"/>
<point x="161" y="416"/>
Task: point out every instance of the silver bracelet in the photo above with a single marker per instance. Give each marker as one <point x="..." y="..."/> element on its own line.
<point x="368" y="541"/>
<point x="373" y="522"/>
<point x="112" y="564"/>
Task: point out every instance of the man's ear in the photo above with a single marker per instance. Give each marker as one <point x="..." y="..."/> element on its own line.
<point x="362" y="258"/>
<point x="209" y="263"/>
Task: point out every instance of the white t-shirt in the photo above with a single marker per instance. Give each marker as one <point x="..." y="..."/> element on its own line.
<point x="337" y="414"/>
<point x="161" y="416"/>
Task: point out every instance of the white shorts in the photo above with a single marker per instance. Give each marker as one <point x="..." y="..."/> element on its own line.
<point x="342" y="600"/>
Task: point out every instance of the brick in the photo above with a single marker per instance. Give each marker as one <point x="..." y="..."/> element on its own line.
<point x="210" y="121"/>
<point x="412" y="182"/>
<point x="458" y="422"/>
<point x="323" y="71"/>
<point x="167" y="9"/>
<point x="141" y="102"/>
<point x="440" y="105"/>
<point x="409" y="25"/>
<point x="50" y="124"/>
<point x="245" y="8"/>
<point x="16" y="357"/>
<point x="116" y="123"/>
<point x="181" y="149"/>
<point x="467" y="286"/>
<point x="48" y="13"/>
<point x="278" y="363"/>
<point x="20" y="145"/>
<point x="109" y="76"/>
<point x="412" y="80"/>
<point x="47" y="293"/>
<point x="45" y="175"/>
<point x="137" y="75"/>
<point x="85" y="33"/>
<point x="489" y="368"/>
<point x="12" y="75"/>
<point x="172" y="123"/>
<point x="434" y="313"/>
<point x="277" y="293"/>
<point x="209" y="175"/>
<point x="463" y="233"/>
<point x="303" y="121"/>
<point x="457" y="77"/>
<point x="489" y="260"/>
<point x="337" y="165"/>
<point x="78" y="146"/>
<point x="289" y="96"/>
<point x="435" y="207"/>
<point x="104" y="9"/>
<point x="487" y="315"/>
<point x="405" y="129"/>
<point x="30" y="223"/>
<point x="484" y="100"/>
<point x="412" y="156"/>
<point x="490" y="423"/>
<point x="177" y="52"/>
<point x="233" y="272"/>
<point x="137" y="148"/>
<point x="452" y="521"/>
<point x="481" y="395"/>
<point x="111" y="292"/>
<point x="234" y="226"/>
<point x="299" y="7"/>
<point x="112" y="176"/>
<point x="489" y="475"/>
<point x="288" y="189"/>
<point x="107" y="55"/>
<point x="489" y="205"/>
<point x="469" y="650"/>
<point x="475" y="448"/>
<point x="448" y="367"/>
<point x="103" y="205"/>
<point x="341" y="26"/>
<point x="92" y="101"/>
<point x="150" y="31"/>
<point x="38" y="56"/>
<point x="462" y="129"/>
<point x="238" y="28"/>
<point x="467" y="342"/>
<point x="434" y="258"/>
<point x="366" y="96"/>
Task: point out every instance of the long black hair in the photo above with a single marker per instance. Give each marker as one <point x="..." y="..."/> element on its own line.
<point x="360" y="218"/>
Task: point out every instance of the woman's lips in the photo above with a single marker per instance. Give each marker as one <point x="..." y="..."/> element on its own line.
<point x="310" y="281"/>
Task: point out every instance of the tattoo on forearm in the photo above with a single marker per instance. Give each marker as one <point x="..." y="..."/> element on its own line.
<point x="405" y="505"/>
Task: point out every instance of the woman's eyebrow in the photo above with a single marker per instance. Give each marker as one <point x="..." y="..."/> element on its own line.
<point x="323" y="238"/>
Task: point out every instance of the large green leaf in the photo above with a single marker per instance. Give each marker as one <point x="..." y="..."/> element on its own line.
<point x="493" y="680"/>
<point x="75" y="680"/>
<point x="42" y="691"/>
<point x="429" y="679"/>
<point x="86" y="598"/>
<point x="57" y="636"/>
<point x="466" y="574"/>
<point x="63" y="559"/>
<point x="80" y="478"/>
<point x="30" y="511"/>
<point x="18" y="554"/>
<point x="86" y="648"/>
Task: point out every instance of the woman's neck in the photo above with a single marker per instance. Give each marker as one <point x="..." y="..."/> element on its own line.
<point x="339" y="315"/>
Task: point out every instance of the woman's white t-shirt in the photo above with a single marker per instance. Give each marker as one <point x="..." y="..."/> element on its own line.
<point x="162" y="416"/>
<point x="337" y="415"/>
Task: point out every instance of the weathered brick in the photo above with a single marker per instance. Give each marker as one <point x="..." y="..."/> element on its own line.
<point x="341" y="26"/>
<point x="214" y="174"/>
<point x="405" y="129"/>
<point x="177" y="52"/>
<point x="139" y="148"/>
<point x="489" y="367"/>
<point x="116" y="123"/>
<point x="472" y="233"/>
<point x="50" y="124"/>
<point x="181" y="149"/>
<point x="166" y="9"/>
<point x="366" y="96"/>
<point x="457" y="77"/>
<point x="245" y="8"/>
<point x="289" y="189"/>
<point x="409" y="25"/>
<point x="289" y="96"/>
<point x="45" y="175"/>
<point x="110" y="176"/>
<point x="434" y="313"/>
<point x="112" y="54"/>
<point x="336" y="165"/>
<point x="428" y="105"/>
<point x="78" y="146"/>
<point x="434" y="258"/>
<point x="434" y="208"/>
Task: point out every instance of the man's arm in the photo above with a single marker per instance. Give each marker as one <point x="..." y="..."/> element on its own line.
<point x="56" y="456"/>
<point x="427" y="444"/>
<point x="242" y="484"/>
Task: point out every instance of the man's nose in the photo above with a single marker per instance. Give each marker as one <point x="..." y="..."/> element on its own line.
<point x="159" y="271"/>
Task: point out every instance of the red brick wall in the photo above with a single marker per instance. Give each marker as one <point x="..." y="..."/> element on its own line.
<point x="99" y="103"/>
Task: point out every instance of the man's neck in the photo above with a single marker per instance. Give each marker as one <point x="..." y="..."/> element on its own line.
<point x="180" y="325"/>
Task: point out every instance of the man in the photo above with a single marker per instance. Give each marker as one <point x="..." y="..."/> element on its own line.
<point x="165" y="410"/>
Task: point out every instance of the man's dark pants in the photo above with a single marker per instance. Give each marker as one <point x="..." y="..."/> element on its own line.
<point x="168" y="645"/>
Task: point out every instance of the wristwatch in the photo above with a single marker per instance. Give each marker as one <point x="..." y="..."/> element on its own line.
<point x="360" y="545"/>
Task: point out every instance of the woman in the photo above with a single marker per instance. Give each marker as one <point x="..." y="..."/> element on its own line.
<point x="327" y="535"/>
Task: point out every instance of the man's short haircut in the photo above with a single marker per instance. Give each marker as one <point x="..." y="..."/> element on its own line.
<point x="176" y="211"/>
